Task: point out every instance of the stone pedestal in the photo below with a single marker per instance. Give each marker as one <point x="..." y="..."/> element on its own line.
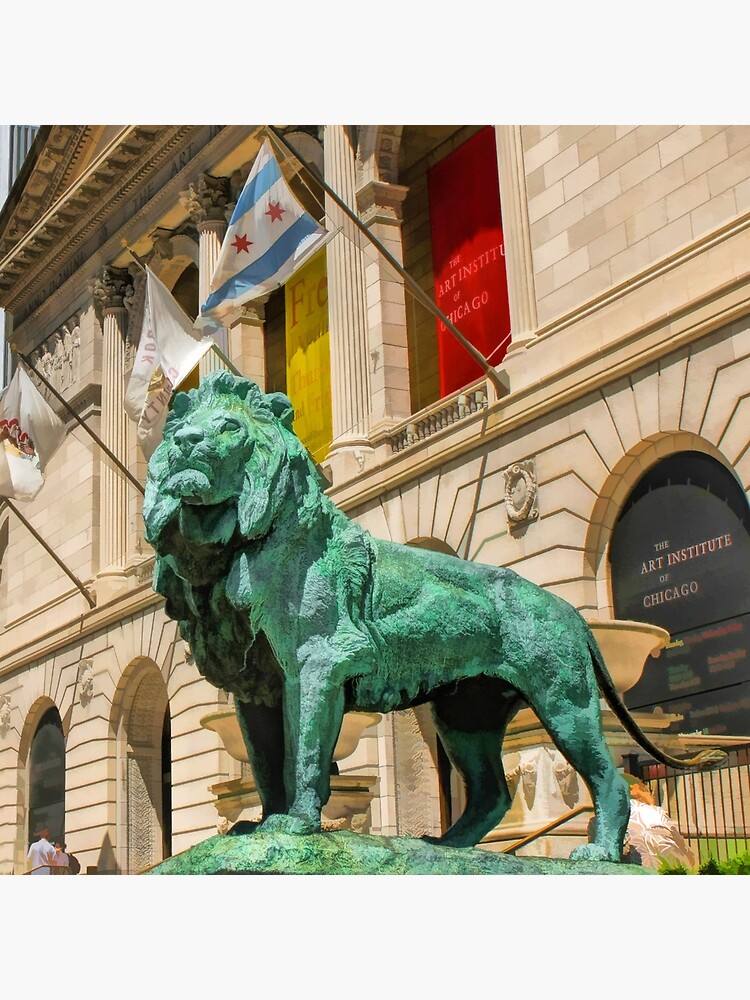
<point x="347" y="809"/>
<point x="351" y="794"/>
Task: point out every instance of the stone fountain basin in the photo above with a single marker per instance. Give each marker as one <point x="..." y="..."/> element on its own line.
<point x="228" y="728"/>
<point x="625" y="646"/>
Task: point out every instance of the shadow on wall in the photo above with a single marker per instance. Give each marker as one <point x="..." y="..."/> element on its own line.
<point x="106" y="863"/>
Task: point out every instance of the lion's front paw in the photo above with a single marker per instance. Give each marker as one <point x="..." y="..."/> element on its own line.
<point x="593" y="852"/>
<point x="283" y="823"/>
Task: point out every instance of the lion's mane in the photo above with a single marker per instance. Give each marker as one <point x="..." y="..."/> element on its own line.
<point x="209" y="500"/>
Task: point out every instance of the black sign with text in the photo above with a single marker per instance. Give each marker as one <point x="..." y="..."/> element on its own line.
<point x="680" y="558"/>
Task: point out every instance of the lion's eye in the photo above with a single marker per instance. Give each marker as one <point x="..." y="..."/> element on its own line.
<point x="229" y="425"/>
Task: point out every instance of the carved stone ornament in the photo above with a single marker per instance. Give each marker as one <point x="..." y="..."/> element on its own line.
<point x="206" y="200"/>
<point x="59" y="358"/>
<point x="521" y="492"/>
<point x="86" y="681"/>
<point x="4" y="714"/>
<point x="111" y="287"/>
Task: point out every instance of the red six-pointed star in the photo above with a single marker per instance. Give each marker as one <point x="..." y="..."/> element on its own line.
<point x="242" y="243"/>
<point x="275" y="211"/>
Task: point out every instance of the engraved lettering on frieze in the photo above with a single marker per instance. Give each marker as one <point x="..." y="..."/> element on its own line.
<point x="521" y="493"/>
<point x="4" y="714"/>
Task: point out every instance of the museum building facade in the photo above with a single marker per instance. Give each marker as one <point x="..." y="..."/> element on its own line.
<point x="603" y="271"/>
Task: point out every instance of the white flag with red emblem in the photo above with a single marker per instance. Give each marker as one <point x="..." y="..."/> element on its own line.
<point x="270" y="234"/>
<point x="167" y="352"/>
<point x="30" y="434"/>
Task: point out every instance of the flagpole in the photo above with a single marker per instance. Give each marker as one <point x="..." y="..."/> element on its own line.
<point x="416" y="289"/>
<point x="107" y="451"/>
<point x="50" y="552"/>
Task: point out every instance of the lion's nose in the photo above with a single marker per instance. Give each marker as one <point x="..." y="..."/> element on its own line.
<point x="188" y="437"/>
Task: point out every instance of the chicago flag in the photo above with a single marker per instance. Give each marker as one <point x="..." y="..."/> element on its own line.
<point x="269" y="236"/>
<point x="30" y="434"/>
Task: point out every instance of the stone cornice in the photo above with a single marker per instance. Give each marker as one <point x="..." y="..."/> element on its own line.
<point x="40" y="181"/>
<point x="148" y="208"/>
<point x="53" y="239"/>
<point x="135" y="602"/>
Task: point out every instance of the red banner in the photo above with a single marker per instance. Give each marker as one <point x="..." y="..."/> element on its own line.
<point x="468" y="258"/>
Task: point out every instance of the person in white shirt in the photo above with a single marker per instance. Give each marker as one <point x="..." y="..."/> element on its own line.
<point x="41" y="854"/>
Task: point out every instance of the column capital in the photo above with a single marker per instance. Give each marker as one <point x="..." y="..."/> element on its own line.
<point x="207" y="199"/>
<point x="379" y="201"/>
<point x="255" y="312"/>
<point x="112" y="286"/>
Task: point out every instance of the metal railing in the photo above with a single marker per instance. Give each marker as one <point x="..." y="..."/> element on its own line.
<point x="711" y="808"/>
<point x="494" y="838"/>
<point x="53" y="870"/>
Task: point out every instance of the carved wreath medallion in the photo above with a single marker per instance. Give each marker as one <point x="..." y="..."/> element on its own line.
<point x="521" y="492"/>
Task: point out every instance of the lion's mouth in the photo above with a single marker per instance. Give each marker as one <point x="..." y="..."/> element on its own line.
<point x="190" y="486"/>
<point x="208" y="524"/>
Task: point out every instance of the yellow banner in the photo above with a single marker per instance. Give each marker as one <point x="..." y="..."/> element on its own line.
<point x="308" y="363"/>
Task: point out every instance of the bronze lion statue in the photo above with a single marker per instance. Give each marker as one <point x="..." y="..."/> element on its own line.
<point x="303" y="616"/>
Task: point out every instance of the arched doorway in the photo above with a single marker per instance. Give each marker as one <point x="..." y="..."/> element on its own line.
<point x="680" y="558"/>
<point x="146" y="781"/>
<point x="47" y="778"/>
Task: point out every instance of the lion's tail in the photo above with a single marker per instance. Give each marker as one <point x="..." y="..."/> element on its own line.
<point x="705" y="760"/>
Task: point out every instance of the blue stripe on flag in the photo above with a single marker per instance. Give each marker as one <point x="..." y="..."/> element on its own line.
<point x="264" y="268"/>
<point x="266" y="176"/>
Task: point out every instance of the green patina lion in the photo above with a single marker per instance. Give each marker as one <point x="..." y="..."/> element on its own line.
<point x="304" y="616"/>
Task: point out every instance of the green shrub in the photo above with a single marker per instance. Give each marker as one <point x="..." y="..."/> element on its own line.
<point x="738" y="865"/>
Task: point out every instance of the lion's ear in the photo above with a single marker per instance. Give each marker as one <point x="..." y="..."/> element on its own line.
<point x="281" y="407"/>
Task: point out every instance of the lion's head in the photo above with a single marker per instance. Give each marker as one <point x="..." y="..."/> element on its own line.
<point x="226" y="463"/>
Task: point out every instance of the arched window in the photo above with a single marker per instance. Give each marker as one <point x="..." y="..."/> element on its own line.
<point x="680" y="558"/>
<point x="47" y="778"/>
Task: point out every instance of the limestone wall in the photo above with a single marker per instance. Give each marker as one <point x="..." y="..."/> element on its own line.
<point x="111" y="687"/>
<point x="606" y="201"/>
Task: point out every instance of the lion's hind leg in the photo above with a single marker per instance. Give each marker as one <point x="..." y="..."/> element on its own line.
<point x="569" y="711"/>
<point x="471" y="723"/>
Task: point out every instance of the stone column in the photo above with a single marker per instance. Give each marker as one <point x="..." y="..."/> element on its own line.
<point x="519" y="267"/>
<point x="350" y="372"/>
<point x="247" y="344"/>
<point x="110" y="288"/>
<point x="207" y="202"/>
<point x="380" y="207"/>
